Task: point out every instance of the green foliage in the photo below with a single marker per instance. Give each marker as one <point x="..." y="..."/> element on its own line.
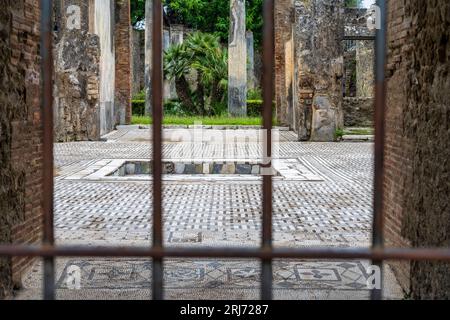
<point x="353" y="3"/>
<point x="140" y="95"/>
<point x="254" y="94"/>
<point x="211" y="16"/>
<point x="209" y="121"/>
<point x="338" y="134"/>
<point x="255" y="108"/>
<point x="200" y="53"/>
<point x="138" y="107"/>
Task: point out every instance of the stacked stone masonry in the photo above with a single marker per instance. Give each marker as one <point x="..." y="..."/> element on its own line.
<point x="20" y="135"/>
<point x="123" y="62"/>
<point x="92" y="68"/>
<point x="418" y="140"/>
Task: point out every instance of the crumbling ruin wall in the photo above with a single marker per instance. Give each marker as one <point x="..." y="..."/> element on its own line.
<point x="417" y="175"/>
<point x="358" y="112"/>
<point x="20" y="135"/>
<point x="319" y="30"/>
<point x="77" y="75"/>
<point x="365" y="72"/>
<point x="123" y="62"/>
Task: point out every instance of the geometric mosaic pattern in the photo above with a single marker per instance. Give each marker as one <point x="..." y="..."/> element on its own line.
<point x="136" y="274"/>
<point x="335" y="211"/>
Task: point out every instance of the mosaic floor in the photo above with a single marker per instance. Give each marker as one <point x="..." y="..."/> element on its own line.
<point x="334" y="210"/>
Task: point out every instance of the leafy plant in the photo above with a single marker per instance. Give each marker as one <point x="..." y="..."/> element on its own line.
<point x="202" y="53"/>
<point x="211" y="16"/>
<point x="254" y="94"/>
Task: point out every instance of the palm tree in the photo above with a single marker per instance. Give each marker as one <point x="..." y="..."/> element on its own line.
<point x="203" y="53"/>
<point x="211" y="63"/>
<point x="177" y="64"/>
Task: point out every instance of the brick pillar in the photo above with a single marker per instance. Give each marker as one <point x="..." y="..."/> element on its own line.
<point x="123" y="62"/>
<point x="284" y="61"/>
<point x="20" y="135"/>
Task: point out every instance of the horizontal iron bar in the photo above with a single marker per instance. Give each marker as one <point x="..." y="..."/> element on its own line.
<point x="422" y="254"/>
<point x="369" y="38"/>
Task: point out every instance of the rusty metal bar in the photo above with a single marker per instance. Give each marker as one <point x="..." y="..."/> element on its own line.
<point x="157" y="107"/>
<point x="268" y="93"/>
<point x="380" y="107"/>
<point x="47" y="118"/>
<point x="408" y="254"/>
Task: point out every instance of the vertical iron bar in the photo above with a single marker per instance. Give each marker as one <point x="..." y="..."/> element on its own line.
<point x="268" y="93"/>
<point x="380" y="107"/>
<point x="157" y="98"/>
<point x="46" y="48"/>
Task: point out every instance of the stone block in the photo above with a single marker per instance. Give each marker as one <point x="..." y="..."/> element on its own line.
<point x="243" y="169"/>
<point x="180" y="168"/>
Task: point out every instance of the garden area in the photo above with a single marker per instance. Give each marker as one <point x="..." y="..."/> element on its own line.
<point x="197" y="69"/>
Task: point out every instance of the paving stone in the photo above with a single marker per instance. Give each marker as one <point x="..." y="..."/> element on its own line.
<point x="334" y="211"/>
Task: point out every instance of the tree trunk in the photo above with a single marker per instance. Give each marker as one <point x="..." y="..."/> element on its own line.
<point x="184" y="93"/>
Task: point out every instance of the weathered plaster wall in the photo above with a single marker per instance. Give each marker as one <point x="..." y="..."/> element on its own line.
<point x="319" y="30"/>
<point x="418" y="140"/>
<point x="76" y="91"/>
<point x="104" y="28"/>
<point x="122" y="32"/>
<point x="20" y="135"/>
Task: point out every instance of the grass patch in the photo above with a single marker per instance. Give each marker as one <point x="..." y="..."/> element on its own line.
<point x="358" y="132"/>
<point x="208" y="121"/>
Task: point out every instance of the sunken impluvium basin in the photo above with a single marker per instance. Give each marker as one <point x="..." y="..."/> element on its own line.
<point x="130" y="168"/>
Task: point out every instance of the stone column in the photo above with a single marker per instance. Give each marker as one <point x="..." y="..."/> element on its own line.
<point x="237" y="61"/>
<point x="104" y="28"/>
<point x="251" y="81"/>
<point x="148" y="55"/>
<point x="284" y="61"/>
<point x="123" y="110"/>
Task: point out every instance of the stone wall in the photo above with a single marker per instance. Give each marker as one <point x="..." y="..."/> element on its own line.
<point x="365" y="72"/>
<point x="359" y="112"/>
<point x="418" y="140"/>
<point x="77" y="54"/>
<point x="123" y="62"/>
<point x="20" y="135"/>
<point x="319" y="30"/>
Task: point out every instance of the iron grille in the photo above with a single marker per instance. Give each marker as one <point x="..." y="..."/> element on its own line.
<point x="266" y="253"/>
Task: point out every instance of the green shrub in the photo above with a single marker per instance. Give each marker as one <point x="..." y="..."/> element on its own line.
<point x="138" y="107"/>
<point x="254" y="94"/>
<point x="255" y="107"/>
<point x="140" y="95"/>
